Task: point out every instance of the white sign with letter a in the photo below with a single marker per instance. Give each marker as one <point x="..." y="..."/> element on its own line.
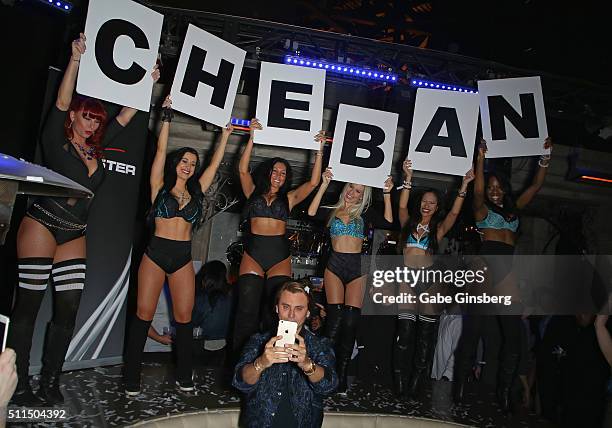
<point x="443" y="131"/>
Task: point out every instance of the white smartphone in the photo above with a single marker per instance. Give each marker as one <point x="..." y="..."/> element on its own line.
<point x="4" y="323"/>
<point x="287" y="329"/>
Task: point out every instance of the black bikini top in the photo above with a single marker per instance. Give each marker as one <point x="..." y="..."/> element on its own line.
<point x="166" y="206"/>
<point x="258" y="207"/>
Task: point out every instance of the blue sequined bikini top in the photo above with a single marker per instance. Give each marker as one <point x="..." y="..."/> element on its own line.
<point x="354" y="228"/>
<point x="166" y="206"/>
<point x="495" y="220"/>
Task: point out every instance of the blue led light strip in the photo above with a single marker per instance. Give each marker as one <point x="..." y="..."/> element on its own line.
<point x="241" y="122"/>
<point x="345" y="69"/>
<point x="64" y="6"/>
<point x="422" y="83"/>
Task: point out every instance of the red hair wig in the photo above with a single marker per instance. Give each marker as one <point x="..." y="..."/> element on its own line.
<point x="93" y="109"/>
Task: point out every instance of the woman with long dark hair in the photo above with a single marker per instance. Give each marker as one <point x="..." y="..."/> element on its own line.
<point x="344" y="281"/>
<point x="266" y="254"/>
<point x="51" y="238"/>
<point x="176" y="194"/>
<point x="422" y="229"/>
<point x="213" y="302"/>
<point x="496" y="215"/>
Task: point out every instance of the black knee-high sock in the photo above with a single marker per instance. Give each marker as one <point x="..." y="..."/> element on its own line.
<point x="269" y="316"/>
<point x="250" y="288"/>
<point x="184" y="351"/>
<point x="68" y="282"/>
<point x="403" y="351"/>
<point x="134" y="347"/>
<point x="33" y="275"/>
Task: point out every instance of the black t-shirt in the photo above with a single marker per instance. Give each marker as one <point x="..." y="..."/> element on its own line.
<point x="284" y="417"/>
<point x="60" y="155"/>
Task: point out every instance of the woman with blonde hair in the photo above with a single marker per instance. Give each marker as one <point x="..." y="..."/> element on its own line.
<point x="344" y="281"/>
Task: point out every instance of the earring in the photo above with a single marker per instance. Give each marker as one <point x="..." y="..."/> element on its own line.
<point x="71" y="122"/>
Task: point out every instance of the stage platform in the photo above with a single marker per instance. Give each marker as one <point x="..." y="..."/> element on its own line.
<point x="95" y="399"/>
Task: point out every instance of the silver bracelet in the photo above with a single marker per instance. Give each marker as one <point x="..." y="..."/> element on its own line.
<point x="543" y="165"/>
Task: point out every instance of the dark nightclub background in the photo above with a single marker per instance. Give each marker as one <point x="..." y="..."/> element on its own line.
<point x="562" y="38"/>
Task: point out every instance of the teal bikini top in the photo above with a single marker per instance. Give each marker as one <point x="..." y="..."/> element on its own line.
<point x="354" y="228"/>
<point x="416" y="242"/>
<point x="495" y="220"/>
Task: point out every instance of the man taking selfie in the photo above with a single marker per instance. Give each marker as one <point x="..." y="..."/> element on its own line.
<point x="284" y="386"/>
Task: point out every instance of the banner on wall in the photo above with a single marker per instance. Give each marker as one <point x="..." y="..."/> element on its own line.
<point x="289" y="105"/>
<point x="122" y="44"/>
<point x="362" y="151"/>
<point x="207" y="77"/>
<point x="513" y="117"/>
<point x="443" y="132"/>
<point x="100" y="325"/>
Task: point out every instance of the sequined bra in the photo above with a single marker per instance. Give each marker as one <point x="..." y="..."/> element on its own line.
<point x="354" y="228"/>
<point x="166" y="206"/>
<point x="258" y="207"/>
<point x="495" y="220"/>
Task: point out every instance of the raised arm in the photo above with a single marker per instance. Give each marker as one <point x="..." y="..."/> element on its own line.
<point x="209" y="173"/>
<point x="326" y="177"/>
<point x="603" y="337"/>
<point x="156" y="178"/>
<point x="66" y="89"/>
<point x="127" y="113"/>
<point x="246" y="181"/>
<point x="388" y="187"/>
<point x="298" y="195"/>
<point x="402" y="212"/>
<point x="538" y="179"/>
<point x="452" y="215"/>
<point x="478" y="204"/>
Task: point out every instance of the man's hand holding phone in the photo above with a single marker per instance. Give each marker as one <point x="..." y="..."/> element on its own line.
<point x="298" y="353"/>
<point x="273" y="354"/>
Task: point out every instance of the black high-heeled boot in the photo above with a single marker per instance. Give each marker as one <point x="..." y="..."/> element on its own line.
<point x="57" y="341"/>
<point x="184" y="357"/>
<point x="134" y="347"/>
<point x="403" y="352"/>
<point x="333" y="321"/>
<point x="346" y="342"/>
<point x="20" y="340"/>
<point x="426" y="331"/>
<point x="505" y="381"/>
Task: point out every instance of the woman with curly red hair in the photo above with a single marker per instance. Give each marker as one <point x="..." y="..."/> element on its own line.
<point x="51" y="237"/>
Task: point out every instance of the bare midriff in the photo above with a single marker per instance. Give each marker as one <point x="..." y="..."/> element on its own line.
<point x="347" y="244"/>
<point x="267" y="226"/>
<point x="176" y="228"/>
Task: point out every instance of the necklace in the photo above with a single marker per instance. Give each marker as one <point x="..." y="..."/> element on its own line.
<point x="182" y="197"/>
<point x="88" y="152"/>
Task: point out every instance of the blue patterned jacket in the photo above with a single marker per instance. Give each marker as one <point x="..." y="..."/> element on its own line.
<point x="263" y="398"/>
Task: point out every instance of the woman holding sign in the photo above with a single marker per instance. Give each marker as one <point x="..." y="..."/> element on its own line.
<point x="51" y="238"/>
<point x="267" y="249"/>
<point x="177" y="207"/>
<point x="422" y="229"/>
<point x="344" y="280"/>
<point x="495" y="212"/>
